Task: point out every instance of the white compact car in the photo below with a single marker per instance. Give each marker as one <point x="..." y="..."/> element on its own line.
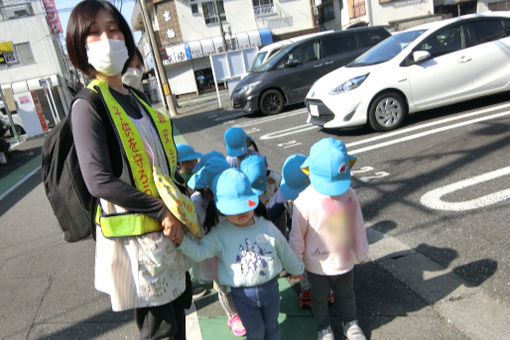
<point x="424" y="67"/>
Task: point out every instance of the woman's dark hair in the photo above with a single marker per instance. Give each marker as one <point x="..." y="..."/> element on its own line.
<point x="139" y="56"/>
<point x="78" y="28"/>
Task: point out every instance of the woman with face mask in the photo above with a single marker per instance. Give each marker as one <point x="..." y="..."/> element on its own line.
<point x="134" y="73"/>
<point x="118" y="138"/>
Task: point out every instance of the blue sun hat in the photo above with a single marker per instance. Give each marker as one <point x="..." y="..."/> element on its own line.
<point x="235" y="142"/>
<point x="294" y="180"/>
<point x="328" y="166"/>
<point x="205" y="157"/>
<point x="233" y="193"/>
<point x="186" y="152"/>
<point x="254" y="166"/>
<point x="203" y="178"/>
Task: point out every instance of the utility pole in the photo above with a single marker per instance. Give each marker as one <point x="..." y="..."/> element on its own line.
<point x="222" y="33"/>
<point x="168" y="100"/>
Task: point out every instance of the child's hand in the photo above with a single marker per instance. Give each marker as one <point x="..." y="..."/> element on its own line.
<point x="296" y="277"/>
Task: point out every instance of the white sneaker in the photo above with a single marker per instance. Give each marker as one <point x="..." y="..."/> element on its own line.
<point x="326" y="334"/>
<point x="353" y="331"/>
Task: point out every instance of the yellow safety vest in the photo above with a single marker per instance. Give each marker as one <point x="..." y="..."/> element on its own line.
<point x="134" y="224"/>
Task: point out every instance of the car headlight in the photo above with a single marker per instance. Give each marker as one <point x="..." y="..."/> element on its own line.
<point x="349" y="85"/>
<point x="249" y="86"/>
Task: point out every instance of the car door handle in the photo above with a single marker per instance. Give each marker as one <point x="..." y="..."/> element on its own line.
<point x="329" y="62"/>
<point x="318" y="65"/>
<point x="464" y="59"/>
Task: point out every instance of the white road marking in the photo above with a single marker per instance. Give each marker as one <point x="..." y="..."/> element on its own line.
<point x="289" y="144"/>
<point x="432" y="199"/>
<point x="289" y="131"/>
<point x="362" y="170"/>
<point x="425" y="133"/>
<point x="251" y="131"/>
<point x="426" y="125"/>
<point x="192" y="323"/>
<point x="379" y="174"/>
<point x="269" y="119"/>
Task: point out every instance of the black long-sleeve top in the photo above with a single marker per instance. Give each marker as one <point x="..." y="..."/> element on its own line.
<point x="100" y="159"/>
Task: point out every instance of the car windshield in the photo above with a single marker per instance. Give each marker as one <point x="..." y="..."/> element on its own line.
<point x="273" y="60"/>
<point x="387" y="49"/>
<point x="258" y="60"/>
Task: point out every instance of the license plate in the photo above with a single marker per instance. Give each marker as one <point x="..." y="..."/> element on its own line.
<point x="314" y="110"/>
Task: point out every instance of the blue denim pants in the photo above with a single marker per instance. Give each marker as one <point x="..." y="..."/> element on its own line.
<point x="258" y="308"/>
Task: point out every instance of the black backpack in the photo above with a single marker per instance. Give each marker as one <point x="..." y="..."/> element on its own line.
<point x="70" y="200"/>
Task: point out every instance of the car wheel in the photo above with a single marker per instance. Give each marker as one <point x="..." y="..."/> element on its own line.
<point x="271" y="102"/>
<point x="387" y="111"/>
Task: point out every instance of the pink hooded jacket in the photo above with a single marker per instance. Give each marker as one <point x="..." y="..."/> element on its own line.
<point x="328" y="231"/>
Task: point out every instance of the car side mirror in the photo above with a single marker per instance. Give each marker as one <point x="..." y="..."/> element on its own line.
<point x="419" y="56"/>
<point x="292" y="63"/>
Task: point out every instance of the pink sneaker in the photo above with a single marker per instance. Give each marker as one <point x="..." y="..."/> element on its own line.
<point x="236" y="325"/>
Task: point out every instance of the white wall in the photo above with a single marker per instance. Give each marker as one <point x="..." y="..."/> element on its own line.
<point x="290" y="16"/>
<point x="482" y="6"/>
<point x="383" y="14"/>
<point x="35" y="31"/>
<point x="239" y="16"/>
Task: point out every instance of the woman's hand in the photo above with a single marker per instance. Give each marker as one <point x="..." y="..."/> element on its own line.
<point x="296" y="277"/>
<point x="172" y="228"/>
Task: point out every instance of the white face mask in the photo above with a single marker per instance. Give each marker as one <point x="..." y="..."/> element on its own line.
<point x="132" y="77"/>
<point x="107" y="56"/>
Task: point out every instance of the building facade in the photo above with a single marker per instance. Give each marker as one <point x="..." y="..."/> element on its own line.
<point x="188" y="31"/>
<point x="33" y="70"/>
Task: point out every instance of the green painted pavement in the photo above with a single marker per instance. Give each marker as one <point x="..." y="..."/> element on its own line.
<point x="12" y="178"/>
<point x="295" y="322"/>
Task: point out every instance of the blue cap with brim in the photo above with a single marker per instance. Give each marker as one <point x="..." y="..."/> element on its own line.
<point x="254" y="167"/>
<point x="328" y="167"/>
<point x="235" y="142"/>
<point x="206" y="157"/>
<point x="233" y="193"/>
<point x="186" y="153"/>
<point x="203" y="178"/>
<point x="294" y="180"/>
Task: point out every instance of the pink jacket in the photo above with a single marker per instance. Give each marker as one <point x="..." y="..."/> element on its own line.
<point x="327" y="231"/>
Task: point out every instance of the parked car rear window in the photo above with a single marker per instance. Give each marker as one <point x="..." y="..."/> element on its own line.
<point x="487" y="30"/>
<point x="386" y="49"/>
<point x="339" y="44"/>
<point x="370" y="38"/>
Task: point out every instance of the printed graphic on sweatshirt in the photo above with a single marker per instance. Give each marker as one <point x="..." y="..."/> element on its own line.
<point x="253" y="259"/>
<point x="338" y="226"/>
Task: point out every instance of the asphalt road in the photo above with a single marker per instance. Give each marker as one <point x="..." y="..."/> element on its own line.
<point x="434" y="195"/>
<point x="440" y="184"/>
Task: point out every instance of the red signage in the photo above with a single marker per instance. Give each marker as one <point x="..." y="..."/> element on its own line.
<point x="38" y="109"/>
<point x="52" y="16"/>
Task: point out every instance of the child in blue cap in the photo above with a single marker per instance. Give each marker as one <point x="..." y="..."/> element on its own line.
<point x="251" y="253"/>
<point x="187" y="158"/>
<point x="328" y="233"/>
<point x="237" y="147"/>
<point x="203" y="199"/>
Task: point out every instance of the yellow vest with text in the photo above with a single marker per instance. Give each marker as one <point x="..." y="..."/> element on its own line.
<point x="134" y="224"/>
